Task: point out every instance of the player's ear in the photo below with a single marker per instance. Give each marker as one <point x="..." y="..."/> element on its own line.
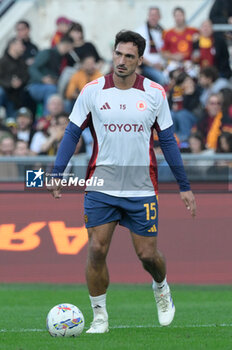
<point x="140" y="60"/>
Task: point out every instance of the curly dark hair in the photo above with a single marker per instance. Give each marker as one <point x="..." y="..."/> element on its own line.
<point x="126" y="36"/>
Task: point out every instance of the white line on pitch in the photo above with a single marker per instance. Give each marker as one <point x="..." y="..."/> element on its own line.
<point x="186" y="326"/>
<point x="125" y="327"/>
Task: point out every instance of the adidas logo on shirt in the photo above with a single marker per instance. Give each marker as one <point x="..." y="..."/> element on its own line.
<point x="105" y="106"/>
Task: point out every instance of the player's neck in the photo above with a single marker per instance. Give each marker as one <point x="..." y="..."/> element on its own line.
<point x="180" y="28"/>
<point x="124" y="83"/>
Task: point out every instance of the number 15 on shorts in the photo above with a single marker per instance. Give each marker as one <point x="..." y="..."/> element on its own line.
<point x="150" y="211"/>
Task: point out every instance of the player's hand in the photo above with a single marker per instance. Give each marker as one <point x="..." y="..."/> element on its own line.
<point x="54" y="186"/>
<point x="189" y="201"/>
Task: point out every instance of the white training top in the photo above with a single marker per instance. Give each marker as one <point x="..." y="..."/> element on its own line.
<point x="122" y="122"/>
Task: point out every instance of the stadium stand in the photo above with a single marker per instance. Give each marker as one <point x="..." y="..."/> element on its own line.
<point x="186" y="85"/>
<point x="5" y="5"/>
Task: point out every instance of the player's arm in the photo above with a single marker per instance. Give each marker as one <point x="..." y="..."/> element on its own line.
<point x="172" y="155"/>
<point x="79" y="119"/>
<point x="164" y="127"/>
<point x="67" y="147"/>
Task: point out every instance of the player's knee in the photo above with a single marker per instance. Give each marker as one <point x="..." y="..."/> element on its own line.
<point x="97" y="252"/>
<point x="147" y="257"/>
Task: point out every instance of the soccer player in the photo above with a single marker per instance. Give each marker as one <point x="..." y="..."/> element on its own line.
<point x="122" y="109"/>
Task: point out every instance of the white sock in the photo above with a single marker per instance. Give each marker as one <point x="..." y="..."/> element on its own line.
<point x="99" y="306"/>
<point x="159" y="287"/>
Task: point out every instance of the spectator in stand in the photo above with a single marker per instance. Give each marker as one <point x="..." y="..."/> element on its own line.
<point x="23" y="33"/>
<point x="87" y="73"/>
<point x="224" y="146"/>
<point x="226" y="96"/>
<point x="84" y="75"/>
<point x="55" y="106"/>
<point x="197" y="147"/>
<point x="184" y="102"/>
<point x="221" y="12"/>
<point x="81" y="47"/>
<point x="62" y="120"/>
<point x="45" y="130"/>
<point x="212" y="121"/>
<point x="22" y="29"/>
<point x="7" y="145"/>
<point x="204" y="51"/>
<point x="47" y="140"/>
<point x="45" y="71"/>
<point x="21" y="149"/>
<point x="196" y="143"/>
<point x="8" y="126"/>
<point x="178" y="41"/>
<point x="62" y="26"/>
<point x="225" y="143"/>
<point x="153" y="62"/>
<point x="211" y="83"/>
<point x="54" y="135"/>
<point x="73" y="59"/>
<point x="210" y="50"/>
<point x="13" y="76"/>
<point x="173" y="71"/>
<point x="24" y="125"/>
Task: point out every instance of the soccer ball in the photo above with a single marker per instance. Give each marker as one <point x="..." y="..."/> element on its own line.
<point x="65" y="320"/>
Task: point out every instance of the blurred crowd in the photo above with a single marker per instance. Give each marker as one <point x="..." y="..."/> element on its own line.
<point x="39" y="87"/>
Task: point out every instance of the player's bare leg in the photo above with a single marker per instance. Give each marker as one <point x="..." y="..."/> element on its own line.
<point x="154" y="262"/>
<point x="97" y="275"/>
<point x="152" y="259"/>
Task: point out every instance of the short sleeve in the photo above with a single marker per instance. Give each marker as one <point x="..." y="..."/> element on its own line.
<point x="82" y="107"/>
<point x="165" y="42"/>
<point x="163" y="115"/>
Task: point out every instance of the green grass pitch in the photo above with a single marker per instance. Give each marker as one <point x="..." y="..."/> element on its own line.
<point x="203" y="318"/>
